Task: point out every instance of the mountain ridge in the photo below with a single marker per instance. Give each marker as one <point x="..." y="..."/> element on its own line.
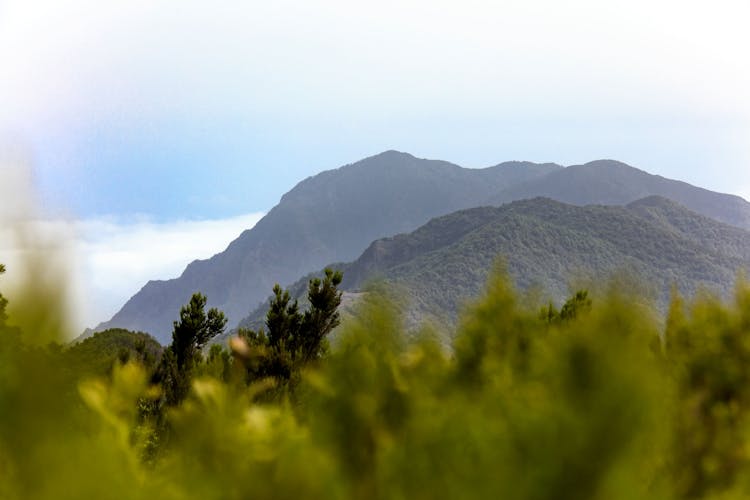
<point x="334" y="216"/>
<point x="613" y="182"/>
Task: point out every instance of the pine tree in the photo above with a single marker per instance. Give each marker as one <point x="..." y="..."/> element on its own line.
<point x="294" y="338"/>
<point x="193" y="330"/>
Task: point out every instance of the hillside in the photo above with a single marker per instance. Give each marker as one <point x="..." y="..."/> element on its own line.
<point x="332" y="216"/>
<point x="96" y="354"/>
<point x="550" y="245"/>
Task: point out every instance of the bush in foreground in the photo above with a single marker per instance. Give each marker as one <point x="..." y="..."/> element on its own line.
<point x="604" y="404"/>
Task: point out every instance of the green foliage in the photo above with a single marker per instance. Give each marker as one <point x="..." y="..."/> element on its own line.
<point x="193" y="330"/>
<point x="294" y="339"/>
<point x="97" y="355"/>
<point x="709" y="347"/>
<point x="321" y="318"/>
<point x="218" y="364"/>
<point x="8" y="334"/>
<point x="3" y="303"/>
<point x="577" y="304"/>
<point x="606" y="404"/>
<point x="48" y="434"/>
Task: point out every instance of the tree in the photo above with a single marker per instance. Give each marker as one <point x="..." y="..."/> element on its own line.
<point x="294" y="339"/>
<point x="577" y="304"/>
<point x="193" y="330"/>
<point x="322" y="316"/>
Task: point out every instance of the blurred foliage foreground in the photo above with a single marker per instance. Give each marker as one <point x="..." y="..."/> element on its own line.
<point x="599" y="399"/>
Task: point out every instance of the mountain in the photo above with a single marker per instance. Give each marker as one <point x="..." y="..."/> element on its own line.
<point x="332" y="216"/>
<point x="336" y="214"/>
<point x="548" y="244"/>
<point x="609" y="182"/>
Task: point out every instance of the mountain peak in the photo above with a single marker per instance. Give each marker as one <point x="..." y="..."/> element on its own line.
<point x="391" y="154"/>
<point x="606" y="161"/>
<point x="609" y="164"/>
<point x="520" y="163"/>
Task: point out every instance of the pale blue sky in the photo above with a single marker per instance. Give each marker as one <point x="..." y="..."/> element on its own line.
<point x="214" y="109"/>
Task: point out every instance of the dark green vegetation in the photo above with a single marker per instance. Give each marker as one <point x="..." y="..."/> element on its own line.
<point x="3" y="303"/>
<point x="294" y="339"/>
<point x="97" y="354"/>
<point x="335" y="215"/>
<point x="549" y="245"/>
<point x="594" y="400"/>
<point x="189" y="334"/>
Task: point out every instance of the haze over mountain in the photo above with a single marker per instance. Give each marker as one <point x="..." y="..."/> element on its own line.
<point x="335" y="215"/>
<point x="550" y="245"/>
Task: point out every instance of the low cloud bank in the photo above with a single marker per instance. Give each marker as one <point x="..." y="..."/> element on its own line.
<point x="109" y="259"/>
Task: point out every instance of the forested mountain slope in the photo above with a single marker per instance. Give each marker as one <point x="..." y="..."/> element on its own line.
<point x="550" y="245"/>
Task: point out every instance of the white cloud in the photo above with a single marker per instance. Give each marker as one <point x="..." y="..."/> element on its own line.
<point x="118" y="258"/>
<point x="107" y="260"/>
<point x="92" y="266"/>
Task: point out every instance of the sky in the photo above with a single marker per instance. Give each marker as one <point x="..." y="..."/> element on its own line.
<point x="161" y="116"/>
